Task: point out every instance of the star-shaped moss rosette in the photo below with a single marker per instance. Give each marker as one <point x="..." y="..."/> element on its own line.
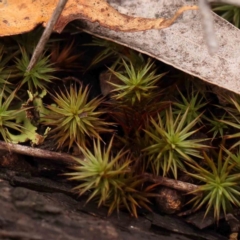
<point x="5" y="70"/>
<point x="74" y="118"/>
<point x="171" y="146"/>
<point x="220" y="190"/>
<point x="217" y="128"/>
<point x="136" y="84"/>
<point x="233" y="120"/>
<point x="39" y="76"/>
<point x="194" y="102"/>
<point x="109" y="179"/>
<point x="8" y="116"/>
<point x="98" y="171"/>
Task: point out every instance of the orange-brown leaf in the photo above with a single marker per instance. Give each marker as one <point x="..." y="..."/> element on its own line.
<point x="17" y="16"/>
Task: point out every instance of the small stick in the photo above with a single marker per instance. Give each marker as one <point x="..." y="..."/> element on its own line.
<point x="46" y="34"/>
<point x="207" y="23"/>
<point x="63" y="158"/>
<point x="171" y="183"/>
<point x="67" y="159"/>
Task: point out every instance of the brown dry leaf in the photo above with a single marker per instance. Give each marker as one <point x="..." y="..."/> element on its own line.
<point x="181" y="45"/>
<point x="18" y="16"/>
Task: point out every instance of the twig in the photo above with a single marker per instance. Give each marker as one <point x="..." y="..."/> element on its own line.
<point x="46" y="34"/>
<point x="171" y="183"/>
<point x="67" y="159"/>
<point x="207" y="22"/>
<point x="61" y="158"/>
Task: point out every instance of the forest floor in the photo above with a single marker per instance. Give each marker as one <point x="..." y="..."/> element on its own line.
<point x="34" y="205"/>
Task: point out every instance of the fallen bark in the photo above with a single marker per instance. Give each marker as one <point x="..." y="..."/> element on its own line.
<point x="54" y="214"/>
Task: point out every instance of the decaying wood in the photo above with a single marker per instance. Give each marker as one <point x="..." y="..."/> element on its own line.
<point x="50" y="214"/>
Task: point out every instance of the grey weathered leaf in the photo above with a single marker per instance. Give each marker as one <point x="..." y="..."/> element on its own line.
<point x="181" y="45"/>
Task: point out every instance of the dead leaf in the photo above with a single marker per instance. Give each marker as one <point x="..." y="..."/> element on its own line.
<point x="18" y="17"/>
<point x="22" y="16"/>
<point x="107" y="16"/>
<point x="181" y="45"/>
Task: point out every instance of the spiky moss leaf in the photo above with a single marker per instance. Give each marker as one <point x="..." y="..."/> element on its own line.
<point x="137" y="84"/>
<point x="28" y="40"/>
<point x="5" y="71"/>
<point x="229" y="12"/>
<point x="234" y="122"/>
<point x="74" y="118"/>
<point x="110" y="180"/>
<point x="131" y="195"/>
<point x="221" y="190"/>
<point x="171" y="146"/>
<point x="234" y="157"/>
<point x="114" y="52"/>
<point x="3" y="74"/>
<point x="99" y="171"/>
<point x="232" y="107"/>
<point x="217" y="127"/>
<point x="39" y="76"/>
<point x="110" y="49"/>
<point x="134" y="119"/>
<point x="64" y="59"/>
<point x="193" y="102"/>
<point x="8" y="116"/>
